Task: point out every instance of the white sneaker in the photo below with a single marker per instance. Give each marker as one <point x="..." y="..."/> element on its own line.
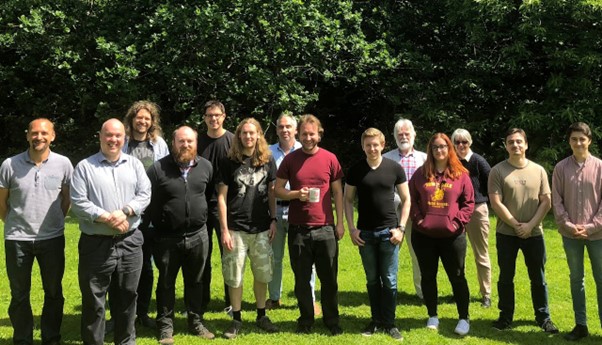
<point x="463" y="327"/>
<point x="432" y="323"/>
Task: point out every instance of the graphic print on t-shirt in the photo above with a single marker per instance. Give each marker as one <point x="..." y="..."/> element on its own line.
<point x="249" y="177"/>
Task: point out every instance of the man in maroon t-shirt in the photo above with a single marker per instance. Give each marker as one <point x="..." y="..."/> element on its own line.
<point x="314" y="174"/>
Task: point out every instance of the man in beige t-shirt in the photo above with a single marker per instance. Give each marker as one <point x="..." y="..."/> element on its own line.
<point x="520" y="196"/>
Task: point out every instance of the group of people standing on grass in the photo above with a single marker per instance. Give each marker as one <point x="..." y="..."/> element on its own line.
<point x="137" y="203"/>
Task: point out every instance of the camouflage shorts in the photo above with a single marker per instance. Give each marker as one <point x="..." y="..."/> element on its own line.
<point x="259" y="250"/>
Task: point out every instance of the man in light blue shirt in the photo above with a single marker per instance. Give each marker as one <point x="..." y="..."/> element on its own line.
<point x="34" y="199"/>
<point x="109" y="192"/>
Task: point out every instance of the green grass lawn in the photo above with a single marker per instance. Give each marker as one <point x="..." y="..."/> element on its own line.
<point x="353" y="300"/>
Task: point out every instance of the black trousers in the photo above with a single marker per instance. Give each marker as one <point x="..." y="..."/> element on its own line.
<point x="171" y="254"/>
<point x="145" y="286"/>
<point x="308" y="246"/>
<point x="212" y="226"/>
<point x="452" y="252"/>
<point x="109" y="261"/>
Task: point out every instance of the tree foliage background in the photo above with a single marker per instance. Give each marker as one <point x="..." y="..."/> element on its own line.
<point x="484" y="65"/>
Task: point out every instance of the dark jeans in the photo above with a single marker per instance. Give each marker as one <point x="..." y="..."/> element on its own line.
<point x="319" y="246"/>
<point x="145" y="285"/>
<point x="534" y="252"/>
<point x="109" y="261"/>
<point x="380" y="258"/>
<point x="50" y="255"/>
<point x="212" y="226"/>
<point x="189" y="253"/>
<point x="452" y="252"/>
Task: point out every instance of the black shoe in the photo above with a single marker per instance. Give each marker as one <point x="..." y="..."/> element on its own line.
<point x="501" y="324"/>
<point x="370" y="329"/>
<point x="109" y="326"/>
<point x="166" y="337"/>
<point x="335" y="330"/>
<point x="145" y="321"/>
<point x="234" y="329"/>
<point x="394" y="333"/>
<point x="303" y="329"/>
<point x="579" y="332"/>
<point x="549" y="327"/>
<point x="266" y="324"/>
<point x="202" y="332"/>
<point x="486" y="302"/>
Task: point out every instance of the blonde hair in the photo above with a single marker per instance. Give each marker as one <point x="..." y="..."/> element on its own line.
<point x="261" y="155"/>
<point x="373" y="132"/>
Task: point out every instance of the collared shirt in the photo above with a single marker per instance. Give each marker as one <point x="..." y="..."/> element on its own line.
<point x="100" y="186"/>
<point x="35" y="196"/>
<point x="409" y="162"/>
<point x="468" y="155"/>
<point x="279" y="155"/>
<point x="577" y="196"/>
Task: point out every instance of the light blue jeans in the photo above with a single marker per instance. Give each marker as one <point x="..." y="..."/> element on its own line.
<point x="574" y="250"/>
<point x="275" y="286"/>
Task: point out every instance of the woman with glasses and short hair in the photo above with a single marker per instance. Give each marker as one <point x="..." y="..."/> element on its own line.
<point x="478" y="227"/>
<point x="442" y="203"/>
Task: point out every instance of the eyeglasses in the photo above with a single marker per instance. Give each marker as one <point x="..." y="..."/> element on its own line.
<point x="463" y="142"/>
<point x="439" y="147"/>
<point x="214" y="115"/>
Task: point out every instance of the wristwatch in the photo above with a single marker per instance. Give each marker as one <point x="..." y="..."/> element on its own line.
<point x="126" y="210"/>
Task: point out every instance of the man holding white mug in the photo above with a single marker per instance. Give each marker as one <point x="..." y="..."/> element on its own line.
<point x="313" y="235"/>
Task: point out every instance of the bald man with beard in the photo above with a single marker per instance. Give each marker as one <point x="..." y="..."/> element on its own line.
<point x="182" y="183"/>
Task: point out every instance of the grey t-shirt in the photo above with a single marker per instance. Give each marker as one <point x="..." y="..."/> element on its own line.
<point x="143" y="151"/>
<point x="35" y="196"/>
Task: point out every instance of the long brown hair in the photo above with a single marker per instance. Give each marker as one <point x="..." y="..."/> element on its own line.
<point x="261" y="154"/>
<point x="454" y="167"/>
<point x="153" y="108"/>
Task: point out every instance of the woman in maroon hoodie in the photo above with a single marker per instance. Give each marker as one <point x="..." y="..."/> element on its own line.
<point x="442" y="203"/>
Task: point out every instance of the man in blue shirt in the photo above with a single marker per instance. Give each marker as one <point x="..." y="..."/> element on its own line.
<point x="109" y="192"/>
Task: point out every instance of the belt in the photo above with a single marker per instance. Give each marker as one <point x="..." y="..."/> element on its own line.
<point x="116" y="237"/>
<point x="283" y="202"/>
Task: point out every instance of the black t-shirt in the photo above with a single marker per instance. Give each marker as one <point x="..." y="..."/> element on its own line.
<point x="375" y="191"/>
<point x="213" y="150"/>
<point x="247" y="200"/>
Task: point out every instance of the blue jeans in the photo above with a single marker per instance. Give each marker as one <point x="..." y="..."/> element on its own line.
<point x="278" y="244"/>
<point x="109" y="262"/>
<point x="574" y="250"/>
<point x="534" y="252"/>
<point x="19" y="261"/>
<point x="380" y="258"/>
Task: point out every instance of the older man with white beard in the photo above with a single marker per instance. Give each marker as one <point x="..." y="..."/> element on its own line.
<point x="410" y="160"/>
<point x="181" y="185"/>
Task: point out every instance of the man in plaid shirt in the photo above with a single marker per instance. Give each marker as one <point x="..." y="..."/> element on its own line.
<point x="410" y="160"/>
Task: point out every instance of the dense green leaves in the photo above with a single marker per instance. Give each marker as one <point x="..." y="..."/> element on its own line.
<point x="483" y="65"/>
